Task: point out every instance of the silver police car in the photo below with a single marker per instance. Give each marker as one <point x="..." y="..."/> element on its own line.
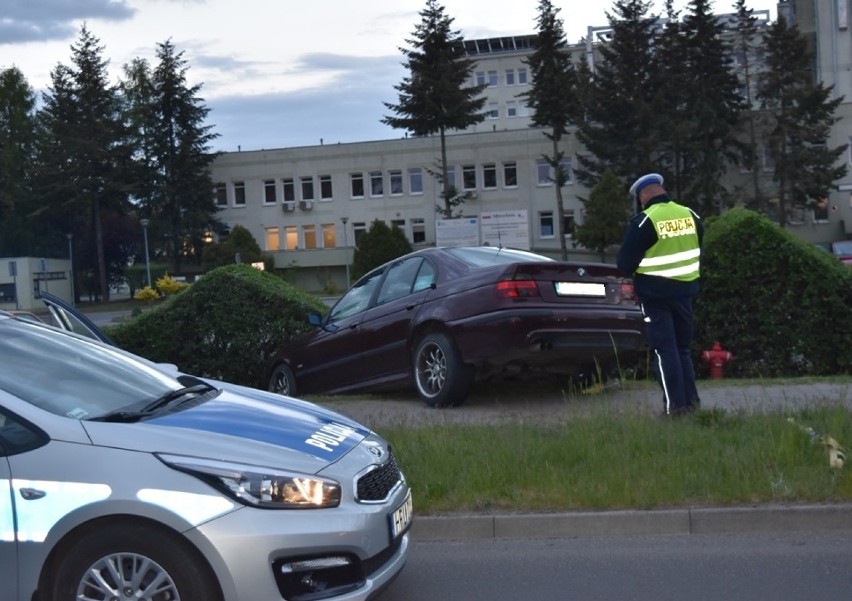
<point x="121" y="479"/>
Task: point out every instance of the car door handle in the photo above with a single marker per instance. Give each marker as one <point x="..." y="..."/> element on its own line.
<point x="411" y="306"/>
<point x="31" y="494"/>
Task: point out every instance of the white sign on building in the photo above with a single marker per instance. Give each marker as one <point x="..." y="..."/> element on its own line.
<point x="506" y="229"/>
<point x="457" y="232"/>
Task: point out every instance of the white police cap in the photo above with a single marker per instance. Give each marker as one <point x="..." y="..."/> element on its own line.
<point x="645" y="180"/>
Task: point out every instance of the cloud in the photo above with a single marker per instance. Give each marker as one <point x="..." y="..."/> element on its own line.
<point x="347" y="108"/>
<point x="47" y="20"/>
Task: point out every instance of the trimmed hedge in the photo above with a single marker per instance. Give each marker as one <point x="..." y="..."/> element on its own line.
<point x="227" y="325"/>
<point x="782" y="306"/>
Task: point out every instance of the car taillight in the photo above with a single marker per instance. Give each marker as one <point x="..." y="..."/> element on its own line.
<point x="517" y="289"/>
<point x="628" y="292"/>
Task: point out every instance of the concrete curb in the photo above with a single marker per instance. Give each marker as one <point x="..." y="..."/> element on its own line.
<point x="700" y="520"/>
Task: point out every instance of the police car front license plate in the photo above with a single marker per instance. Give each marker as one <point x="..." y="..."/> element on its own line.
<point x="401" y="517"/>
<point x="581" y="289"/>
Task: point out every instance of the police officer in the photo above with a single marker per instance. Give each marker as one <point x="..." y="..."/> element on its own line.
<point x="661" y="251"/>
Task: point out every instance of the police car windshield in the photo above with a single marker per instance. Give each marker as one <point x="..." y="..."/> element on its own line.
<point x="72" y="377"/>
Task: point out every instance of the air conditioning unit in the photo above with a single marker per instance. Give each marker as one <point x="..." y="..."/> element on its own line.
<point x="288" y="206"/>
<point x="306" y="205"/>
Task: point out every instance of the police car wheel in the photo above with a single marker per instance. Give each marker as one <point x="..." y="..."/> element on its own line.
<point x="282" y="380"/>
<point x="132" y="562"/>
<point x="442" y="379"/>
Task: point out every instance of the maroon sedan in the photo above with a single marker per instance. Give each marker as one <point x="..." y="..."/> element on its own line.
<point x="443" y="318"/>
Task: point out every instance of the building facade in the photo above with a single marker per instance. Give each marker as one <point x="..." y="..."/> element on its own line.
<point x="307" y="206"/>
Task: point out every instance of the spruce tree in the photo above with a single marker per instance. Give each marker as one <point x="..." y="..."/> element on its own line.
<point x="180" y="204"/>
<point x="553" y="98"/>
<point x="84" y="156"/>
<point x="378" y="245"/>
<point x="746" y="46"/>
<point x="711" y="94"/>
<point x="617" y="98"/>
<point x="436" y="96"/>
<point x="17" y="147"/>
<point x="802" y="114"/>
<point x="607" y="213"/>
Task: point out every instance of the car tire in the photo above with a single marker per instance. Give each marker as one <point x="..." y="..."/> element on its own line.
<point x="442" y="379"/>
<point x="282" y="381"/>
<point x="138" y="555"/>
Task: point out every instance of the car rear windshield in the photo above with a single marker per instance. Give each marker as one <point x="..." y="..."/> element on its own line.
<point x="70" y="376"/>
<point x="482" y="256"/>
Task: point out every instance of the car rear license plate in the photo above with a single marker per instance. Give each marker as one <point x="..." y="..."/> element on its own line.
<point x="581" y="289"/>
<point x="401" y="517"/>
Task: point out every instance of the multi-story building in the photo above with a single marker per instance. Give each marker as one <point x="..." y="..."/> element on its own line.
<point x="307" y="206"/>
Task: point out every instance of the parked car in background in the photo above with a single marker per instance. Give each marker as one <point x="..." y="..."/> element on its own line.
<point x="442" y="318"/>
<point x="843" y="251"/>
<point x="125" y="479"/>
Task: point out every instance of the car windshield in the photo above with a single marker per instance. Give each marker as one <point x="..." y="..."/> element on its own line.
<point x="68" y="376"/>
<point x="842" y="248"/>
<point x="482" y="256"/>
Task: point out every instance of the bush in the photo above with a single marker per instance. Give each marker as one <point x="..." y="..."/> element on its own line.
<point x="780" y="305"/>
<point x="227" y="325"/>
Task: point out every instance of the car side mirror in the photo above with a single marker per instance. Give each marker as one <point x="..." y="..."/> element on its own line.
<point x="315" y="319"/>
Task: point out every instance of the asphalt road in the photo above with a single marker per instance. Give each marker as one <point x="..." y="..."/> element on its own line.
<point x="733" y="567"/>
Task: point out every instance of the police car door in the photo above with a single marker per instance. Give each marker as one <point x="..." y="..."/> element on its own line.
<point x="8" y="546"/>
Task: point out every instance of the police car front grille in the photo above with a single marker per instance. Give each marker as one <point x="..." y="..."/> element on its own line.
<point x="377" y="484"/>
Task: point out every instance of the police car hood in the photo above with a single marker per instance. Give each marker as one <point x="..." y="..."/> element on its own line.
<point x="242" y="425"/>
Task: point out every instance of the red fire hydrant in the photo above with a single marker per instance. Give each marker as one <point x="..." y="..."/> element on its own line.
<point x="717" y="357"/>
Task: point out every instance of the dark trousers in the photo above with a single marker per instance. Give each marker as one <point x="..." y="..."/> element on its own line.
<point x="669" y="329"/>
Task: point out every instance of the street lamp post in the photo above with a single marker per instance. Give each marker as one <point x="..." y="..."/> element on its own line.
<point x="70" y="237"/>
<point x="345" y="220"/>
<point x="144" y="223"/>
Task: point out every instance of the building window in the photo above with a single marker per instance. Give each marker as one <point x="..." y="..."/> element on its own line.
<point x="289" y="189"/>
<point x="395" y="176"/>
<point x="291" y="237"/>
<point x="326" y="192"/>
<point x="469" y="177"/>
<point x="567" y="171"/>
<point x="545" y="224"/>
<point x="510" y="77"/>
<point x="329" y="237"/>
<point x="545" y="175"/>
<point x="451" y="176"/>
<point x="522" y="76"/>
<point x="356" y="181"/>
<point x="489" y="176"/>
<point x="269" y="191"/>
<point x="307" y="188"/>
<point x="511" y="109"/>
<point x="377" y="183"/>
<point x="480" y="78"/>
<point x="418" y="230"/>
<point x="510" y="174"/>
<point x="492" y="79"/>
<point x="399" y="224"/>
<point x="239" y="194"/>
<point x="221" y="195"/>
<point x="273" y="238"/>
<point x="493" y="111"/>
<point x="768" y="162"/>
<point x="358" y="229"/>
<point x="568" y="224"/>
<point x="415" y="181"/>
<point x="309" y="235"/>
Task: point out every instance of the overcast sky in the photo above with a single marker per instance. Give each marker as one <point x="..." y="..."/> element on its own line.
<point x="276" y="73"/>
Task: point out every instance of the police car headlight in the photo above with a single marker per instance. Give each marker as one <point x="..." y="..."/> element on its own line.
<point x="260" y="486"/>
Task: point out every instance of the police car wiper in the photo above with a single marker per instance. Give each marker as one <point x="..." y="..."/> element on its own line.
<point x="169" y="400"/>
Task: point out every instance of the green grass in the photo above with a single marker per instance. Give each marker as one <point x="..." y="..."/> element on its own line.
<point x="626" y="461"/>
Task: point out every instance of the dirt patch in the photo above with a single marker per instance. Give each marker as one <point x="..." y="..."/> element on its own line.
<point x="543" y="403"/>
